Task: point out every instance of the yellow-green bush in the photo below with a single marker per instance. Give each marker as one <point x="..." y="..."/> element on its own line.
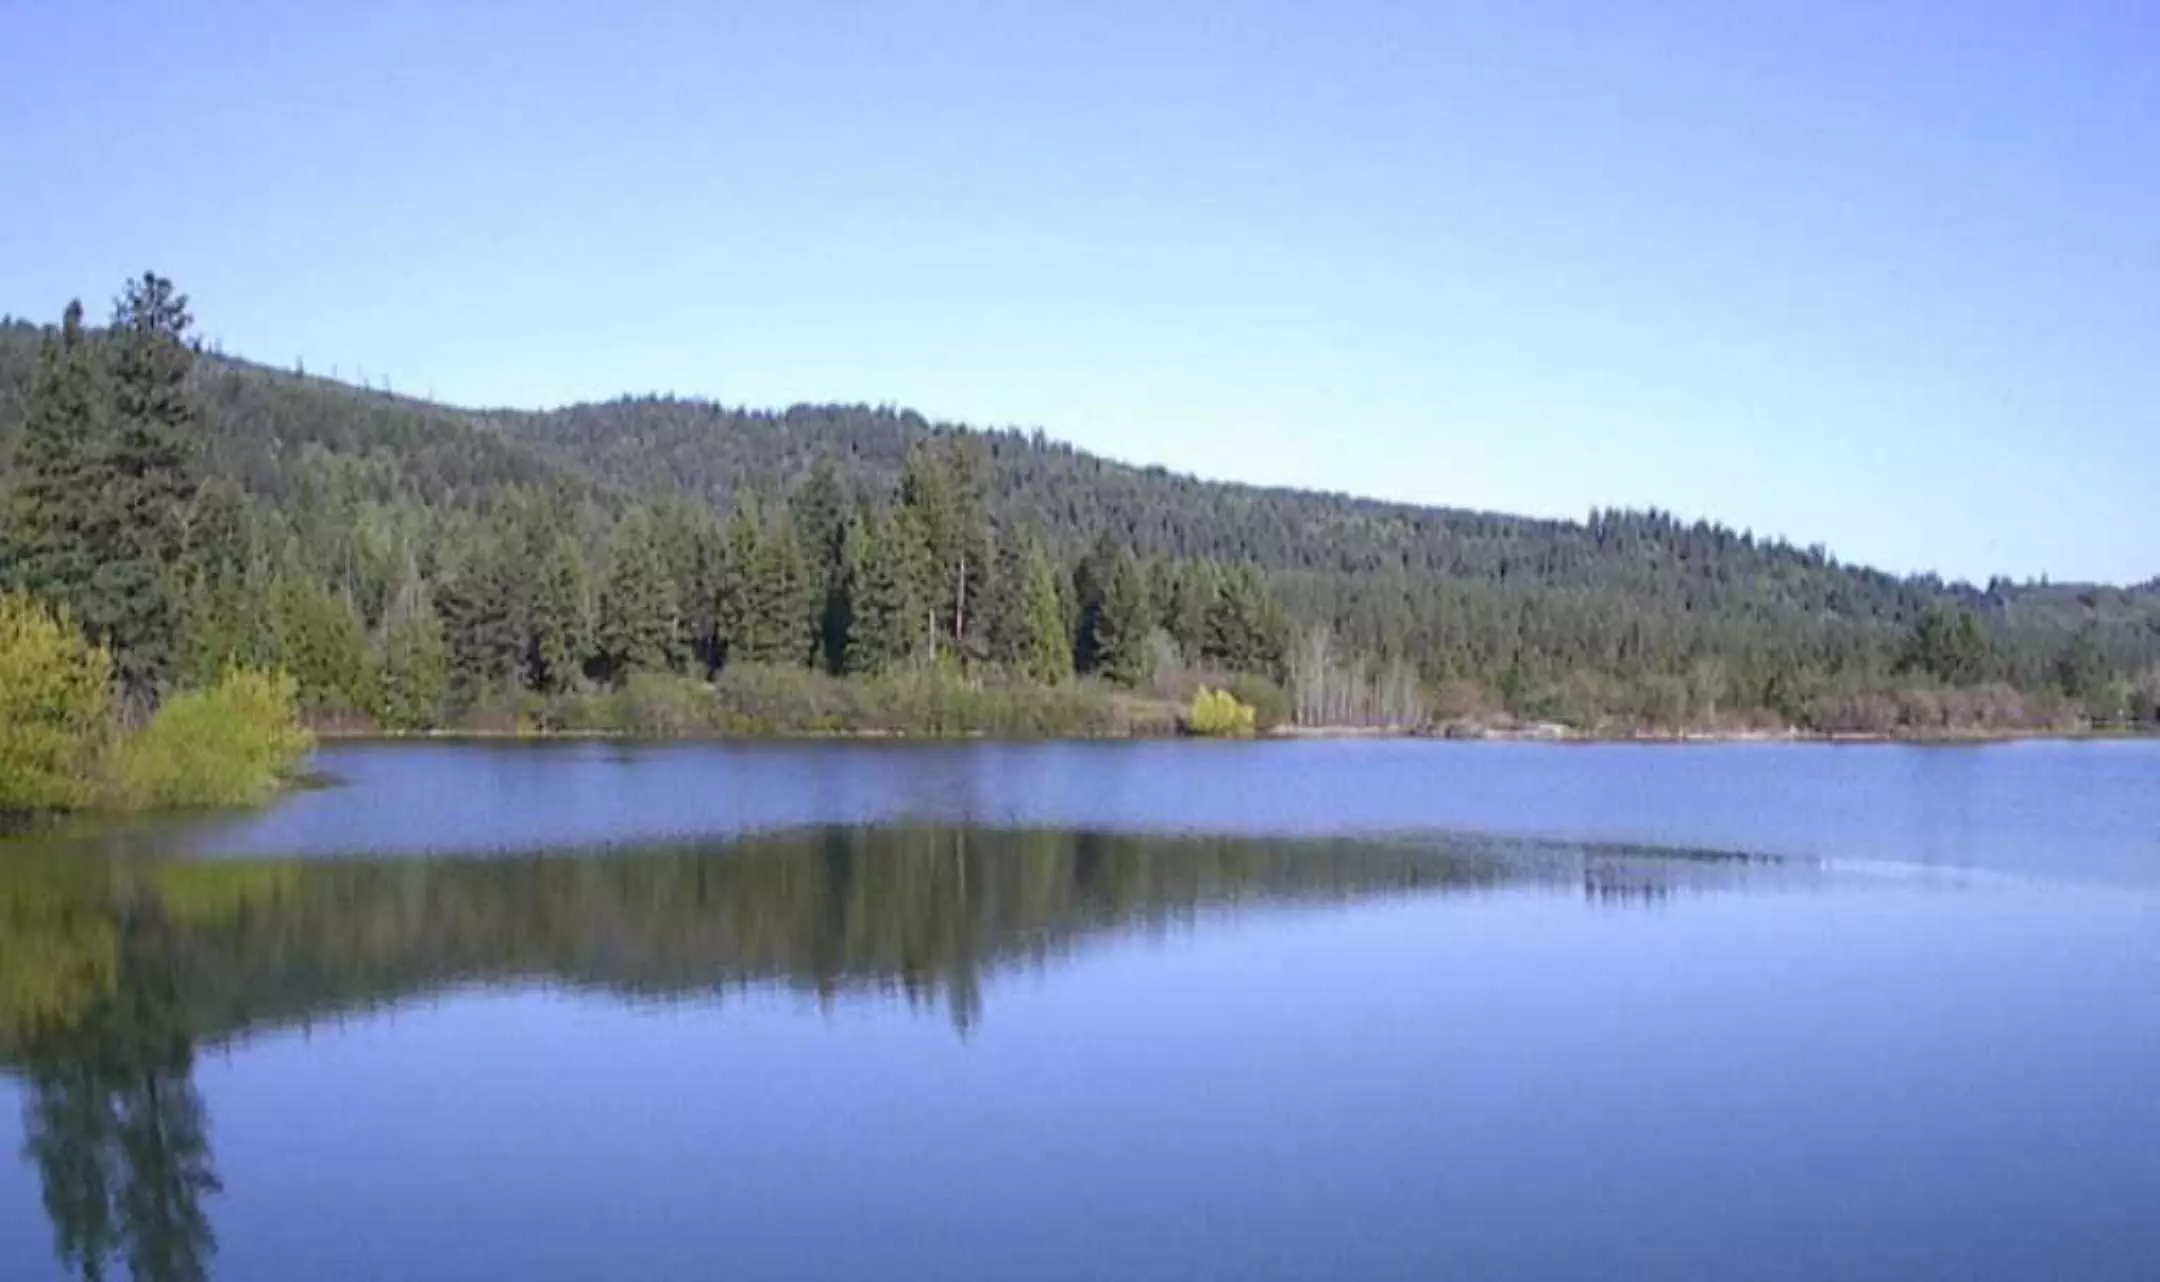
<point x="1218" y="713"/>
<point x="229" y="745"/>
<point x="56" y="710"/>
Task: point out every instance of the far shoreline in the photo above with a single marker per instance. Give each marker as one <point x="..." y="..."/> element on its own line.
<point x="1545" y="733"/>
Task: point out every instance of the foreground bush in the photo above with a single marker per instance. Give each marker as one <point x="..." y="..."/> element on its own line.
<point x="56" y="711"/>
<point x="229" y="745"/>
<point x="1219" y="714"/>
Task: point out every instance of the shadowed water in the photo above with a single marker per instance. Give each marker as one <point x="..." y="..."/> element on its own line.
<point x="851" y="1012"/>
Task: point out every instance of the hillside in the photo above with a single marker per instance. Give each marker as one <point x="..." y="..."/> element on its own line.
<point x="1505" y="602"/>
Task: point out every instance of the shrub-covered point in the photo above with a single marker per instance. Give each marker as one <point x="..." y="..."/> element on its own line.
<point x="62" y="746"/>
<point x="232" y="744"/>
<point x="415" y="565"/>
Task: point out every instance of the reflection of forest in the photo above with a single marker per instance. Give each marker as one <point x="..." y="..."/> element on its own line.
<point x="113" y="970"/>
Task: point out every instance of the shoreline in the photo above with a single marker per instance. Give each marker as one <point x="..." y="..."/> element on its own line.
<point x="1552" y="733"/>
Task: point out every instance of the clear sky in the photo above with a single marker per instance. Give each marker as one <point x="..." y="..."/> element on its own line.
<point x="1884" y="276"/>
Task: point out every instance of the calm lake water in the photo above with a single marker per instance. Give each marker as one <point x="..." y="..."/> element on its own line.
<point x="1118" y="1011"/>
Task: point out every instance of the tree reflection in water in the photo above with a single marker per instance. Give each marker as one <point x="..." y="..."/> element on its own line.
<point x="113" y="970"/>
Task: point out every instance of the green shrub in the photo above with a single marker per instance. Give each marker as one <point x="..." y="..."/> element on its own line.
<point x="56" y="712"/>
<point x="1219" y="714"/>
<point x="229" y="745"/>
<point x="657" y="705"/>
<point x="1269" y="702"/>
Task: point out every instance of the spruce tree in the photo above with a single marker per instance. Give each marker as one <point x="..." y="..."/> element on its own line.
<point x="1046" y="652"/>
<point x="412" y="683"/>
<point x="734" y="611"/>
<point x="1123" y="623"/>
<point x="638" y="612"/>
<point x="1003" y="612"/>
<point x="819" y="510"/>
<point x="1246" y="630"/>
<point x="322" y="642"/>
<point x="46" y="546"/>
<point x="1090" y="583"/>
<point x="941" y="497"/>
<point x="139" y="521"/>
<point x="1189" y="594"/>
<point x="561" y="616"/>
<point x="885" y="623"/>
<point x="776" y="619"/>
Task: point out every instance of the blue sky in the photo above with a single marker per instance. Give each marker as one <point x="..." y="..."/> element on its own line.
<point x="1884" y="276"/>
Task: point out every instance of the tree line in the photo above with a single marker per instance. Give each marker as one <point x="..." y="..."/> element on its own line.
<point x="415" y="565"/>
<point x="390" y="607"/>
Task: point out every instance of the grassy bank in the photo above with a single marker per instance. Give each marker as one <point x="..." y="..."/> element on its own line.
<point x="756" y="701"/>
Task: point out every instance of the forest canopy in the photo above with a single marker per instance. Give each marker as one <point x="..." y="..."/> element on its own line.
<point x="415" y="565"/>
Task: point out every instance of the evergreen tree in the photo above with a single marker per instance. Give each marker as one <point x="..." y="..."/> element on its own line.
<point x="2081" y="670"/>
<point x="1090" y="583"/>
<point x="413" y="666"/>
<point x="819" y="510"/>
<point x="941" y="496"/>
<point x="1190" y="589"/>
<point x="1045" y="652"/>
<point x="484" y="628"/>
<point x="223" y="609"/>
<point x="740" y="551"/>
<point x="638" y="611"/>
<point x="322" y="642"/>
<point x="1246" y="630"/>
<point x="884" y="620"/>
<point x="140" y="513"/>
<point x="777" y="622"/>
<point x="561" y="616"/>
<point x="1948" y="645"/>
<point x="45" y="548"/>
<point x="1122" y="624"/>
<point x="1003" y="609"/>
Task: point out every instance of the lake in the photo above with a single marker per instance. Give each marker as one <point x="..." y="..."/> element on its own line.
<point x="1118" y="1011"/>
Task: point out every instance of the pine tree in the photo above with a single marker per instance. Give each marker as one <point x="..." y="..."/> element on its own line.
<point x="1090" y="583"/>
<point x="1046" y="652"/>
<point x="1189" y="592"/>
<point x="322" y="642"/>
<point x="1246" y="630"/>
<point x="777" y="621"/>
<point x="1123" y="623"/>
<point x="482" y="613"/>
<point x="941" y="496"/>
<point x="1948" y="645"/>
<point x="819" y="510"/>
<point x="412" y="681"/>
<point x="638" y="613"/>
<point x="140" y="521"/>
<point x="223" y="610"/>
<point x="885" y="626"/>
<point x="738" y="565"/>
<point x="45" y="548"/>
<point x="561" y="616"/>
<point x="1003" y="609"/>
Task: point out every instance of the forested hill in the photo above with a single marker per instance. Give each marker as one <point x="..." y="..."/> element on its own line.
<point x="269" y="428"/>
<point x="1509" y="604"/>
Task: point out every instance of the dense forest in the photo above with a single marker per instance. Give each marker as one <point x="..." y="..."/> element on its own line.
<point x="674" y="565"/>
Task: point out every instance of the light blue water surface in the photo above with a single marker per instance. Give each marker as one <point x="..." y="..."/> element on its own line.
<point x="1121" y="1011"/>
